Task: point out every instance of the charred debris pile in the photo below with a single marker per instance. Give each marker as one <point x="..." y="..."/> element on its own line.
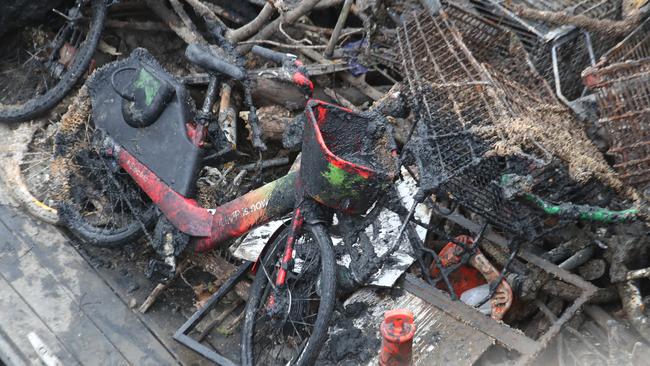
<point x="522" y="141"/>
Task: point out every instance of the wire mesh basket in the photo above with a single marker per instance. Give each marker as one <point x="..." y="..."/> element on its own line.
<point x="573" y="49"/>
<point x="452" y="94"/>
<point x="635" y="46"/>
<point x="623" y="94"/>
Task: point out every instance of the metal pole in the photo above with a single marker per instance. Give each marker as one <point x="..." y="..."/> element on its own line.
<point x="337" y="29"/>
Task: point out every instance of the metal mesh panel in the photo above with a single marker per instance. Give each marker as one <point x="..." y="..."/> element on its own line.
<point x="538" y="37"/>
<point x="623" y="93"/>
<point x="452" y="93"/>
<point x="635" y="46"/>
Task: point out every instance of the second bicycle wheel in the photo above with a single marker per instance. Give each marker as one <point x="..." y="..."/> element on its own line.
<point x="97" y="201"/>
<point x="39" y="65"/>
<point x="29" y="170"/>
<point x="289" y="325"/>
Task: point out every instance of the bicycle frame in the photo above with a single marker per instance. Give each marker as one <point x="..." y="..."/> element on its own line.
<point x="208" y="227"/>
<point x="330" y="180"/>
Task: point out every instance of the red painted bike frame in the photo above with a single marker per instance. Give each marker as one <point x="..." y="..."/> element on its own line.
<point x="209" y="227"/>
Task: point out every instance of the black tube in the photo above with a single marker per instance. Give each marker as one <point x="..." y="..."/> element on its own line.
<point x="271" y="55"/>
<point x="205" y="58"/>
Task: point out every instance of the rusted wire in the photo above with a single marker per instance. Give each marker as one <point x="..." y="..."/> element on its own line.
<point x="635" y="46"/>
<point x="623" y="94"/>
<point x="539" y="37"/>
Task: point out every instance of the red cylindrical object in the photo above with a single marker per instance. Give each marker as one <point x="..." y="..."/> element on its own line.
<point x="397" y="331"/>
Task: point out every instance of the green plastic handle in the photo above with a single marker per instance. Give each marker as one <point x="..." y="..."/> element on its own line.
<point x="583" y="212"/>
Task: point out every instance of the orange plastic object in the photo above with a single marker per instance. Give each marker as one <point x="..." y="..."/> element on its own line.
<point x="466" y="277"/>
<point x="397" y="331"/>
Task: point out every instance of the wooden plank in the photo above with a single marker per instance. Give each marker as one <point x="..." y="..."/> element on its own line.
<point x="17" y="323"/>
<point x="61" y="313"/>
<point x="509" y="337"/>
<point x="161" y="319"/>
<point x="112" y="316"/>
<point x="10" y="247"/>
<point x="9" y="352"/>
<point x="439" y="339"/>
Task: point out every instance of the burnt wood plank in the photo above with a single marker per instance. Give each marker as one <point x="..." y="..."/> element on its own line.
<point x="509" y="337"/>
<point x="439" y="339"/>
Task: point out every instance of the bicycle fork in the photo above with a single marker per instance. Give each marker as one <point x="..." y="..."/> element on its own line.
<point x="287" y="257"/>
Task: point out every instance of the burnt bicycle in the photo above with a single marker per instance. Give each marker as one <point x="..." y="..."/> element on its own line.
<point x="145" y="131"/>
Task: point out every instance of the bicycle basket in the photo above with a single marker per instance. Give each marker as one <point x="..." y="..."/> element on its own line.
<point x="346" y="157"/>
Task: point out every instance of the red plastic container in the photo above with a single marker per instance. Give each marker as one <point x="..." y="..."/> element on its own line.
<point x="397" y="331"/>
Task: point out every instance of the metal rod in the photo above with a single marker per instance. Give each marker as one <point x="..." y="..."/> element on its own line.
<point x="210" y="95"/>
<point x="337" y="28"/>
<point x="578" y="259"/>
<point x="181" y="335"/>
<point x="271" y="163"/>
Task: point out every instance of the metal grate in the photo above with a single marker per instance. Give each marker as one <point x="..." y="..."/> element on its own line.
<point x="451" y="95"/>
<point x="538" y="38"/>
<point x="635" y="46"/>
<point x="623" y="94"/>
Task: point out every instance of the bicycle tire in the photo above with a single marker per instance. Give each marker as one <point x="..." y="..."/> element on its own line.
<point x="95" y="198"/>
<point x="100" y="237"/>
<point x="31" y="198"/>
<point x="42" y="103"/>
<point x="327" y="291"/>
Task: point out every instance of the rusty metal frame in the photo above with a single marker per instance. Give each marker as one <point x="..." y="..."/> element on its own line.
<point x="622" y="91"/>
<point x="505" y="335"/>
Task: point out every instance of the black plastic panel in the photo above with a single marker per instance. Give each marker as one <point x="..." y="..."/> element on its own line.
<point x="163" y="146"/>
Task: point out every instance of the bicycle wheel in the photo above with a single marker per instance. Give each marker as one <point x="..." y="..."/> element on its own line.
<point x="39" y="66"/>
<point x="29" y="170"/>
<point x="96" y="200"/>
<point x="289" y="325"/>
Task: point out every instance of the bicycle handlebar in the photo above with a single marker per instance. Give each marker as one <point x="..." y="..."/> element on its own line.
<point x="204" y="57"/>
